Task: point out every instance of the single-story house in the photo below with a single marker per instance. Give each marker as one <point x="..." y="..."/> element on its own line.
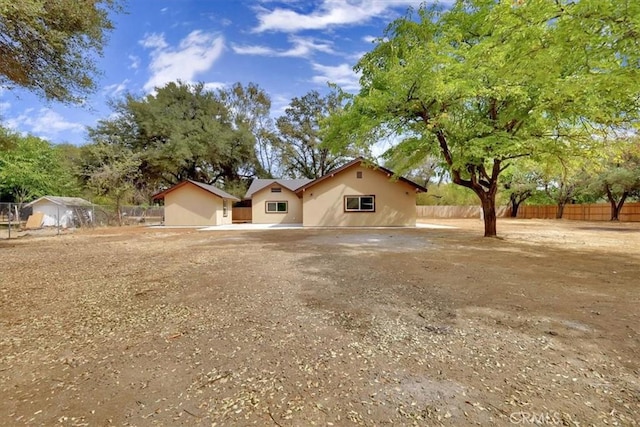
<point x="195" y="203"/>
<point x="59" y="211"/>
<point x="358" y="194"/>
<point x="274" y="201"/>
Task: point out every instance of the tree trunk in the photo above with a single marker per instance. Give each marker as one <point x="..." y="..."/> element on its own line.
<point x="515" y="204"/>
<point x="489" y="215"/>
<point x="616" y="207"/>
<point x="615" y="212"/>
<point x="119" y="212"/>
<point x="560" y="210"/>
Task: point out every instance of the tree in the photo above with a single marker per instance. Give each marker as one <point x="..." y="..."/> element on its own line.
<point x="250" y="107"/>
<point x="48" y="47"/>
<point x="300" y="145"/>
<point x="111" y="170"/>
<point x="520" y="182"/>
<point x="181" y="132"/>
<point x="562" y="178"/>
<point x="618" y="178"/>
<point x="33" y="168"/>
<point x="486" y="82"/>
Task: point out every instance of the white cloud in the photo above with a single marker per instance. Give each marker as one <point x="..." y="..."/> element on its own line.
<point x="195" y="54"/>
<point x="328" y="14"/>
<point x="342" y="75"/>
<point x="44" y="121"/>
<point x="302" y="47"/>
<point x="369" y="39"/>
<point x="4" y="106"/>
<point x="135" y="62"/>
<point x="153" y="41"/>
<point x="115" y="89"/>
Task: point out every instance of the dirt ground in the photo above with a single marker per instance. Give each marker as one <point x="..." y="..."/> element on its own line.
<point x="140" y="326"/>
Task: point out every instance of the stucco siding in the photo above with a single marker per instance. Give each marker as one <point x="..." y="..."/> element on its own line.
<point x="395" y="201"/>
<point x="259" y="210"/>
<point x="221" y="219"/>
<point x="190" y="205"/>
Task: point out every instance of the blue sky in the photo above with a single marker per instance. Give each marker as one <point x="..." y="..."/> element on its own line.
<point x="287" y="47"/>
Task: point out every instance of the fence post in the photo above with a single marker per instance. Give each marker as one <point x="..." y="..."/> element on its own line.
<point x="9" y="216"/>
<point x="58" y="217"/>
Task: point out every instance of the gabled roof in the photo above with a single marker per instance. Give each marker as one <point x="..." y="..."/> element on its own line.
<point x="290" y="184"/>
<point x="419" y="188"/>
<point x="63" y="201"/>
<point x="210" y="188"/>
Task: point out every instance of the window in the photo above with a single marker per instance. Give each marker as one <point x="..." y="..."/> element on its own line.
<point x="360" y="203"/>
<point x="225" y="207"/>
<point x="276" y="190"/>
<point x="359" y="174"/>
<point x="277" y="207"/>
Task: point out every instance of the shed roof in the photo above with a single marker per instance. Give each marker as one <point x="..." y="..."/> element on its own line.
<point x="62" y="201"/>
<point x="419" y="188"/>
<point x="290" y="184"/>
<point x="210" y="188"/>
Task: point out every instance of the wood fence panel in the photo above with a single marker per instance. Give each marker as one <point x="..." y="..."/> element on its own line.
<point x="444" y="212"/>
<point x="242" y="214"/>
<point x="586" y="212"/>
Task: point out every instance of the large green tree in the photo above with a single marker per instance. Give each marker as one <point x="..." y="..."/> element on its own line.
<point x="111" y="170"/>
<point x="181" y="132"/>
<point x="562" y="178"/>
<point x="250" y="108"/>
<point x="32" y="168"/>
<point x="486" y="82"/>
<point x="49" y="47"/>
<point x="617" y="177"/>
<point x="302" y="153"/>
<point x="519" y="183"/>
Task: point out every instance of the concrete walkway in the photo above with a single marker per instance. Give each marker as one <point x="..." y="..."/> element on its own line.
<point x="240" y="227"/>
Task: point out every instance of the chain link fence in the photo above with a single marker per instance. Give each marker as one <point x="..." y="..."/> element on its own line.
<point x="48" y="218"/>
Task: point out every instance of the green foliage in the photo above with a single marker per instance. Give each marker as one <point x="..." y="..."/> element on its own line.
<point x="111" y="171"/>
<point x="299" y="144"/>
<point x="519" y="183"/>
<point x="181" y="132"/>
<point x="487" y="82"/>
<point x="250" y="108"/>
<point x="48" y="47"/>
<point x="447" y="195"/>
<point x="617" y="175"/>
<point x="33" y="168"/>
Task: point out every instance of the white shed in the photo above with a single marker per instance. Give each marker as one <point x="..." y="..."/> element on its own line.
<point x="61" y="211"/>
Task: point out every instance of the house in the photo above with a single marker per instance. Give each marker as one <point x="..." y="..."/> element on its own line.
<point x="358" y="194"/>
<point x="274" y="201"/>
<point x="195" y="203"/>
<point x="62" y="212"/>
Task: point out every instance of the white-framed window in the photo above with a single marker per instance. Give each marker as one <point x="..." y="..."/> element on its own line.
<point x="360" y="203"/>
<point x="277" y="207"/>
<point x="225" y="207"/>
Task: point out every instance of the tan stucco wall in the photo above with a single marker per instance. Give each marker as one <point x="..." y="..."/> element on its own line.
<point x="395" y="203"/>
<point x="225" y="220"/>
<point x="190" y="205"/>
<point x="258" y="206"/>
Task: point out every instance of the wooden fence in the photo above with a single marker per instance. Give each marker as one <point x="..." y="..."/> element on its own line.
<point x="444" y="212"/>
<point x="241" y="214"/>
<point x="587" y="212"/>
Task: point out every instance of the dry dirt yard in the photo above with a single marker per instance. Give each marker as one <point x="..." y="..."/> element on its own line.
<point x="140" y="326"/>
